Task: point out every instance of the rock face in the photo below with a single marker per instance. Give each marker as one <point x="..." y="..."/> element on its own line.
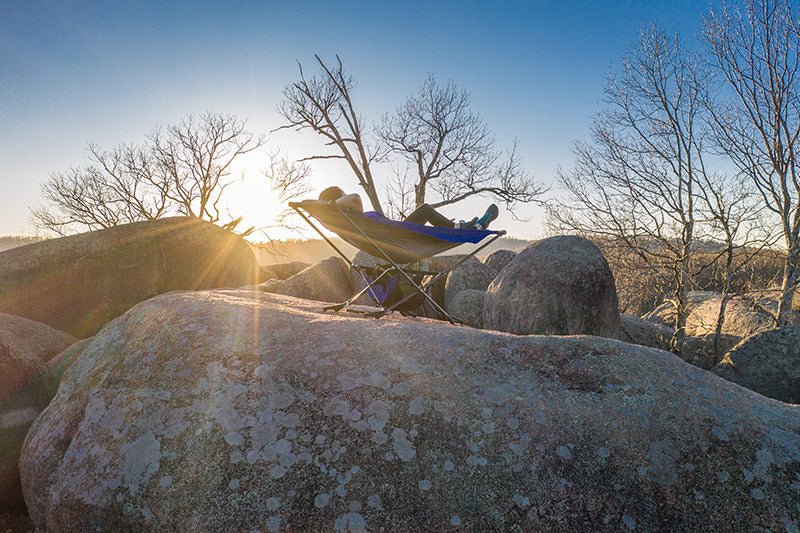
<point x="470" y="275"/>
<point x="236" y="411"/>
<point x="25" y="348"/>
<point x="556" y="286"/>
<point x="768" y="363"/>
<point x="78" y="283"/>
<point x="327" y="281"/>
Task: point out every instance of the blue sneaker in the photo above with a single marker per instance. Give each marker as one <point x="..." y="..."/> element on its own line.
<point x="490" y="214"/>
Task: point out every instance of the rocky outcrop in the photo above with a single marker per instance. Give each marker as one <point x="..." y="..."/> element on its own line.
<point x="768" y="363"/>
<point x="467" y="306"/>
<point x="556" y="286"/>
<point x="470" y="275"/>
<point x="327" y="281"/>
<point x="25" y="348"/>
<point x="498" y="259"/>
<point x="235" y="411"/>
<point x="79" y="283"/>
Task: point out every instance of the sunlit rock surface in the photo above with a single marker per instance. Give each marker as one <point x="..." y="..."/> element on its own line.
<point x="25" y="348"/>
<point x="240" y="411"/>
<point x="78" y="283"/>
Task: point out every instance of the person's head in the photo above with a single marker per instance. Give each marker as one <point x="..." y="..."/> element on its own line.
<point x="331" y="194"/>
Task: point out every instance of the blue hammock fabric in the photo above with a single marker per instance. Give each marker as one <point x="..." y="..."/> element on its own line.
<point x="403" y="242"/>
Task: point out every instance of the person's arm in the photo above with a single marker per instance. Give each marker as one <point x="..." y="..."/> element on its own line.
<point x="351" y="202"/>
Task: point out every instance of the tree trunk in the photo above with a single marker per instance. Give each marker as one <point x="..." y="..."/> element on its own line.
<point x="373" y="198"/>
<point x="790" y="273"/>
<point x="419" y="194"/>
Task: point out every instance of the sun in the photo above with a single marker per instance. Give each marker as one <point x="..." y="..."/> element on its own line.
<point x="249" y="196"/>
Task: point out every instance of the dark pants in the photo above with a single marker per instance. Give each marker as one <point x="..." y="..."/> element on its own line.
<point x="426" y="213"/>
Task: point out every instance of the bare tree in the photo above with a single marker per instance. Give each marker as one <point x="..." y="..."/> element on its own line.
<point x="324" y="105"/>
<point x="183" y="169"/>
<point x="289" y="179"/>
<point x="120" y="186"/>
<point x="636" y="185"/>
<point x="451" y="150"/>
<point x="194" y="159"/>
<point x="757" y="49"/>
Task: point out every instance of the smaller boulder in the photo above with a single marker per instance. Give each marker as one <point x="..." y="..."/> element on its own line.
<point x="286" y="270"/>
<point x="767" y="363"/>
<point x="664" y="314"/>
<point x="471" y="274"/>
<point x="271" y="286"/>
<point x="467" y="306"/>
<point x="498" y="259"/>
<point x="743" y="317"/>
<point x="327" y="281"/>
<point x="637" y="330"/>
<point x="26" y="346"/>
<point x="266" y="274"/>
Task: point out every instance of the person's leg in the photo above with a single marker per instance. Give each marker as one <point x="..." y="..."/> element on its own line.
<point x="426" y="213"/>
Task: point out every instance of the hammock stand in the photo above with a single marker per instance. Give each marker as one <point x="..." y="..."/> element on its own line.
<point x="399" y="243"/>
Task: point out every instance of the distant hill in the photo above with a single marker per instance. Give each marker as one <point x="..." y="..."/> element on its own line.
<point x="315" y="250"/>
<point x="13" y="241"/>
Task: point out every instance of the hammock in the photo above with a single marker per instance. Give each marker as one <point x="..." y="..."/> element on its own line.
<point x="398" y="242"/>
<point x="403" y="242"/>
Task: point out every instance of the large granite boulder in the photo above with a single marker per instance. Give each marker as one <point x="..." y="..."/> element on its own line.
<point x="556" y="286"/>
<point x="26" y="347"/>
<point x="768" y="363"/>
<point x="326" y="281"/>
<point x="237" y="411"/>
<point x="79" y="283"/>
<point x="469" y="275"/>
<point x="498" y="259"/>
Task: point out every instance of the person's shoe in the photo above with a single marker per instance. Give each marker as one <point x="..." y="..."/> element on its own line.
<point x="467" y="224"/>
<point x="490" y="214"/>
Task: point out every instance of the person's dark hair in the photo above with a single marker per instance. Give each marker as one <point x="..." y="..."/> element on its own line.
<point x="330" y="194"/>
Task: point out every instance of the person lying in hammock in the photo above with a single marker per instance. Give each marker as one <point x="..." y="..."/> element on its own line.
<point x="421" y="215"/>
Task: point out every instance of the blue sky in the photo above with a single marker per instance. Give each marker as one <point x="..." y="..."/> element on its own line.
<point x="74" y="72"/>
